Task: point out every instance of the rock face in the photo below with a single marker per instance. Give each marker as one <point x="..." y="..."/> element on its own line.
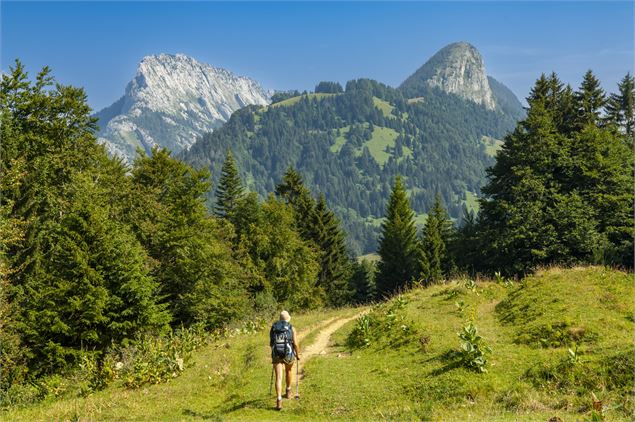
<point x="172" y="100"/>
<point x="456" y="69"/>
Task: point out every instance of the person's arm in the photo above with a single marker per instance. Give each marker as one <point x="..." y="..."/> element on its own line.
<point x="296" y="345"/>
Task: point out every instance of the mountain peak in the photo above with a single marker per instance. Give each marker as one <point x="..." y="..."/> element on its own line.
<point x="457" y="68"/>
<point x="171" y="101"/>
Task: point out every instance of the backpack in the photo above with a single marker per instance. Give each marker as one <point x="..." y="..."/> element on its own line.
<point x="281" y="339"/>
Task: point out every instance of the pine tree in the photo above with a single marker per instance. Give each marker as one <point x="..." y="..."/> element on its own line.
<point x="363" y="282"/>
<point x="229" y="190"/>
<point x="619" y="108"/>
<point x="590" y="99"/>
<point x="399" y="247"/>
<point x="334" y="264"/>
<point x="293" y="192"/>
<point x="437" y="234"/>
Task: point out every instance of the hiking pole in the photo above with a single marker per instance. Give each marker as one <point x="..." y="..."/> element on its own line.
<point x="297" y="379"/>
<point x="271" y="382"/>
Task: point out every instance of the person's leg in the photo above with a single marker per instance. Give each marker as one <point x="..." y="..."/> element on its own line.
<point x="278" y="368"/>
<point x="289" y="378"/>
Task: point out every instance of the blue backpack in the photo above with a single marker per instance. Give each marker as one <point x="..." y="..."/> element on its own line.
<point x="281" y="339"/>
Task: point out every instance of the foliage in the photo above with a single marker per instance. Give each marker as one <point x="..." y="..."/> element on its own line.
<point x="473" y="351"/>
<point x="399" y="246"/>
<point x="561" y="188"/>
<point x="437" y="235"/>
<point x="385" y="324"/>
<point x="287" y="265"/>
<point x="329" y="87"/>
<point x="229" y="190"/>
<point x="363" y="281"/>
<point x="328" y="138"/>
<point x="196" y="266"/>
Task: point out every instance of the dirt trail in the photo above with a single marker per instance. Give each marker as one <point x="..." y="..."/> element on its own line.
<point x="322" y="340"/>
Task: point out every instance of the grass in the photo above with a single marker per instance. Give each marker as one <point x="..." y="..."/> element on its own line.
<point x="372" y="257"/>
<point x="383" y="138"/>
<point x="526" y="380"/>
<point x="492" y="145"/>
<point x="340" y="140"/>
<point x="384" y="106"/>
<point x="471" y="201"/>
<point x="293" y="100"/>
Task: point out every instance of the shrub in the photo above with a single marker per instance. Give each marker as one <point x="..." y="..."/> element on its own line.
<point x="385" y="323"/>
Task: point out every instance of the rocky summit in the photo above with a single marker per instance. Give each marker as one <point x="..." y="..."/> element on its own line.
<point x="455" y="69"/>
<point x="171" y="101"/>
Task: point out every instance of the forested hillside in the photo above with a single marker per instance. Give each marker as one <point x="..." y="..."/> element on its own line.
<point x="351" y="143"/>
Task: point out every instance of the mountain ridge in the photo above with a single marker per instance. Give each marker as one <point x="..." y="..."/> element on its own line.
<point x="171" y="101"/>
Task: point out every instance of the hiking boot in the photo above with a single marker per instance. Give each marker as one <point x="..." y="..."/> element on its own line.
<point x="278" y="404"/>
<point x="288" y="394"/>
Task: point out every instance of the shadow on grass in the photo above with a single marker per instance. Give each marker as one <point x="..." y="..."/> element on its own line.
<point x="451" y="360"/>
<point x="218" y="415"/>
<point x="212" y="416"/>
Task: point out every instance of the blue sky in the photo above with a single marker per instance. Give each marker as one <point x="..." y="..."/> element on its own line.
<point x="286" y="45"/>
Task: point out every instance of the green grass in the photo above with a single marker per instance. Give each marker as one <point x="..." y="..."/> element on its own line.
<point x="471" y="201"/>
<point x="492" y="145"/>
<point x="372" y="257"/>
<point x="293" y="100"/>
<point x="383" y="137"/>
<point x="526" y="379"/>
<point x="384" y="106"/>
<point x="340" y="140"/>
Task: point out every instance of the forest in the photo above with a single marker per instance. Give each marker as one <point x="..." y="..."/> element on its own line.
<point x="99" y="260"/>
<point x="350" y="143"/>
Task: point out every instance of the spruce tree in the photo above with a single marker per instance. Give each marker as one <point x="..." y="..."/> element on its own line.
<point x="399" y="247"/>
<point x="619" y="108"/>
<point x="590" y="99"/>
<point x="363" y="281"/>
<point x="437" y="234"/>
<point x="334" y="263"/>
<point x="294" y="193"/>
<point x="229" y="190"/>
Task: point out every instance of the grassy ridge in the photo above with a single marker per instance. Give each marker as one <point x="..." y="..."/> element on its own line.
<point x="530" y="326"/>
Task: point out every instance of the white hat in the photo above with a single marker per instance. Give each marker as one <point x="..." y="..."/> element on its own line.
<point x="284" y="316"/>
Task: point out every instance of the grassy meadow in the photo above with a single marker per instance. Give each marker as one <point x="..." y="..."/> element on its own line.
<point x="561" y="344"/>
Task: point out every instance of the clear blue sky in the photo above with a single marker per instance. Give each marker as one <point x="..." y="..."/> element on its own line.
<point x="295" y="45"/>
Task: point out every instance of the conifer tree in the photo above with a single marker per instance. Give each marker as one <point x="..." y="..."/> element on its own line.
<point x="334" y="264"/>
<point x="229" y="190"/>
<point x="619" y="108"/>
<point x="399" y="246"/>
<point x="590" y="99"/>
<point x="293" y="192"/>
<point x="363" y="281"/>
<point x="437" y="234"/>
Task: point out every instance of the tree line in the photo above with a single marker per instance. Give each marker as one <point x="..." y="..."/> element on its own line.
<point x="560" y="192"/>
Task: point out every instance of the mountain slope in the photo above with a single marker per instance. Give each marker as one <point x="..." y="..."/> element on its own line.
<point x="172" y="100"/>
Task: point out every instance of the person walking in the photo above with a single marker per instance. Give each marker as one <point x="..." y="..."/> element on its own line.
<point x="285" y="350"/>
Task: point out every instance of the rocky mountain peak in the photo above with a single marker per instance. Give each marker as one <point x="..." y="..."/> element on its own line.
<point x="458" y="69"/>
<point x="171" y="101"/>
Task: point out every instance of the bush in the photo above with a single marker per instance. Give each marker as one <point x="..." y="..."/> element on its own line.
<point x="385" y="323"/>
<point x="473" y="348"/>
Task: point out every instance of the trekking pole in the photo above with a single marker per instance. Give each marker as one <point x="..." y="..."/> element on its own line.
<point x="271" y="382"/>
<point x="297" y="379"/>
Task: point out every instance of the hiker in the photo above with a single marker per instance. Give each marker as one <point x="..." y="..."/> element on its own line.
<point x="284" y="351"/>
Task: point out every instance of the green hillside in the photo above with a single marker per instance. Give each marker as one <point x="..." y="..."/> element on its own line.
<point x="350" y="145"/>
<point x="410" y="368"/>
